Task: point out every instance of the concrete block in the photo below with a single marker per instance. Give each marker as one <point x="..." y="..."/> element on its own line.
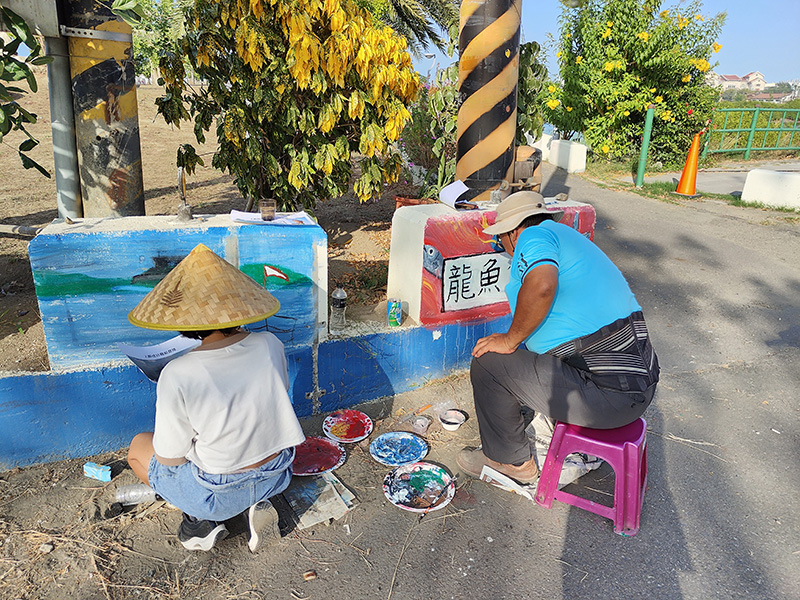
<point x="91" y="274"/>
<point x="445" y="269"/>
<point x="568" y="155"/>
<point x="543" y="144"/>
<point x="773" y="188"/>
<point x="405" y="266"/>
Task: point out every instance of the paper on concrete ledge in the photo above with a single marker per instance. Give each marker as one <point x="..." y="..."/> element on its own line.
<point x="151" y="360"/>
<point x="254" y="218"/>
<point x="450" y="193"/>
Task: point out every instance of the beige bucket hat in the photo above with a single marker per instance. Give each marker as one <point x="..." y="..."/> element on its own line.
<point x="203" y="292"/>
<point x="516" y="208"/>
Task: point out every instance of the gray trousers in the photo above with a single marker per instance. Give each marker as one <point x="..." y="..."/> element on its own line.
<point x="501" y="382"/>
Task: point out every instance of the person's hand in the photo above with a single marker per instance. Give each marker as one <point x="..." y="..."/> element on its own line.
<point x="497" y="342"/>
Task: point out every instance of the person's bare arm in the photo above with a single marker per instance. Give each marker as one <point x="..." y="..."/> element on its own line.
<point x="533" y="303"/>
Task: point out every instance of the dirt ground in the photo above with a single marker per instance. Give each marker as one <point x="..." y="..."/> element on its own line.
<point x="358" y="234"/>
<point x="63" y="536"/>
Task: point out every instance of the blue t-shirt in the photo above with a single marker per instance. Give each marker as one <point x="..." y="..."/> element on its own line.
<point x="592" y="292"/>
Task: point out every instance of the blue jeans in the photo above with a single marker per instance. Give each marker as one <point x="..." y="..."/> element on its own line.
<point x="220" y="497"/>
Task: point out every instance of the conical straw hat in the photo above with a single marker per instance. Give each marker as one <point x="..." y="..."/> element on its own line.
<point x="203" y="292"/>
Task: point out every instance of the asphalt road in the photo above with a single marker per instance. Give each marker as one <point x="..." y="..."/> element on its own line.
<point x="720" y="287"/>
<point x="728" y="179"/>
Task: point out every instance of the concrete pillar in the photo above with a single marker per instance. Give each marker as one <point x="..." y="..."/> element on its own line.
<point x="106" y="114"/>
<point x="62" y="122"/>
<point x="488" y="71"/>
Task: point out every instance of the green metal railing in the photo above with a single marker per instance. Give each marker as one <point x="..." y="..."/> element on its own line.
<point x="756" y="129"/>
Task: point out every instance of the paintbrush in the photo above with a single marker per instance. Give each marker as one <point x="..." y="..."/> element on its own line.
<point x="416" y="413"/>
<point x="438" y="497"/>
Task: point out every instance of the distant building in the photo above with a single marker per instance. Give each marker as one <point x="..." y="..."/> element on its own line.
<point x="772" y="97"/>
<point x="753" y="82"/>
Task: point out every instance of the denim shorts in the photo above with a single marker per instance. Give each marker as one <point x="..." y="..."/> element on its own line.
<point x="220" y="497"/>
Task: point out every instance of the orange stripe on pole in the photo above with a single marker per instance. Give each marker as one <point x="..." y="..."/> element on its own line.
<point x="468" y="8"/>
<point x="502" y="30"/>
<point x="490" y="94"/>
<point x="492" y="146"/>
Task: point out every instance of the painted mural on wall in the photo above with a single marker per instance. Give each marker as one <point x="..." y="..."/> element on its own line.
<point x="88" y="279"/>
<point x="464" y="276"/>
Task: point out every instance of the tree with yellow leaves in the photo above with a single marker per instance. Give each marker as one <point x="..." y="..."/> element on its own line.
<point x="293" y="89"/>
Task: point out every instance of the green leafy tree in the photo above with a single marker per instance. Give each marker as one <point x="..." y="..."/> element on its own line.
<point x="156" y="24"/>
<point x="617" y="57"/>
<point x="13" y="69"/>
<point x="293" y="88"/>
<point x="418" y="20"/>
<point x="532" y="75"/>
<point x="782" y="87"/>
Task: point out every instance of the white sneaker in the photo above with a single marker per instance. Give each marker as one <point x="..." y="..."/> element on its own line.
<point x="263" y="520"/>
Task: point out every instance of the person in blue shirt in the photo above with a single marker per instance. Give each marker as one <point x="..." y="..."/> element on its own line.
<point x="577" y="350"/>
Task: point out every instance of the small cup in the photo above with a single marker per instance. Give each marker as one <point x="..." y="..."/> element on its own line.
<point x="267" y="209"/>
<point x="452" y="419"/>
<point x="420" y="425"/>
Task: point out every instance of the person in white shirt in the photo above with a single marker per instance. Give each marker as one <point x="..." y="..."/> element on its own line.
<point x="225" y="429"/>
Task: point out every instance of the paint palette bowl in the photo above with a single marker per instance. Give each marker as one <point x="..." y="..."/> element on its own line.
<point x="398" y="448"/>
<point x="317" y="455"/>
<point x="347" y="426"/>
<point x="452" y="419"/>
<point x="419" y="487"/>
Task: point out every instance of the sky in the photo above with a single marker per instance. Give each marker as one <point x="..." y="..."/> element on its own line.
<point x="758" y="35"/>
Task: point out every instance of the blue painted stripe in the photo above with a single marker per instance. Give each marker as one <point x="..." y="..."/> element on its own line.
<point x="57" y="415"/>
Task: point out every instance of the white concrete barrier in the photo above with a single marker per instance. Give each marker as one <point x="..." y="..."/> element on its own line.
<point x="568" y="155"/>
<point x="773" y="188"/>
<point x="543" y="144"/>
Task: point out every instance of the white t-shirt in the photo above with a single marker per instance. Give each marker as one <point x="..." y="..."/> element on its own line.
<point x="226" y="408"/>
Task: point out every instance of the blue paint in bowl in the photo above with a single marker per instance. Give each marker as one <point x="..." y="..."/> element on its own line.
<point x="398" y="448"/>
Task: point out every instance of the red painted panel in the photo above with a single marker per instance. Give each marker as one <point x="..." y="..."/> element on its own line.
<point x="461" y="234"/>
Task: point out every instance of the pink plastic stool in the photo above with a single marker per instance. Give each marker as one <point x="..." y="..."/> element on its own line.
<point x="624" y="448"/>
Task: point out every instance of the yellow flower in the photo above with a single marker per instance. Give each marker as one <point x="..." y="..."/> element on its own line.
<point x="569" y="109"/>
<point x="644" y="36"/>
<point x="717" y="47"/>
<point x="682" y="22"/>
<point x="664" y="14"/>
<point x="606" y="33"/>
<point x="626" y="113"/>
<point x="609" y="66"/>
<point x="551" y="89"/>
<point x="606" y="149"/>
<point x="666" y="115"/>
<point x="609" y="23"/>
<point x="578" y="60"/>
<point x="700" y="64"/>
<point x="659" y="99"/>
<point x="553" y="103"/>
<point x="686" y="78"/>
<point x="652" y="90"/>
<point x="558" y="54"/>
<point x="568" y="35"/>
<point x="699" y="17"/>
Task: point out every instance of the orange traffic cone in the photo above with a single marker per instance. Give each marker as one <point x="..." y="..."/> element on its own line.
<point x="686" y="186"/>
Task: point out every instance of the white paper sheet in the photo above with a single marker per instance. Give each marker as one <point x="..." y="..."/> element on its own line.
<point x="450" y="193"/>
<point x="254" y="218"/>
<point x="152" y="359"/>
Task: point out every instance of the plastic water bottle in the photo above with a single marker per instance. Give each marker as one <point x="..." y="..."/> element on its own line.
<point x="127" y="495"/>
<point x="338" y="306"/>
